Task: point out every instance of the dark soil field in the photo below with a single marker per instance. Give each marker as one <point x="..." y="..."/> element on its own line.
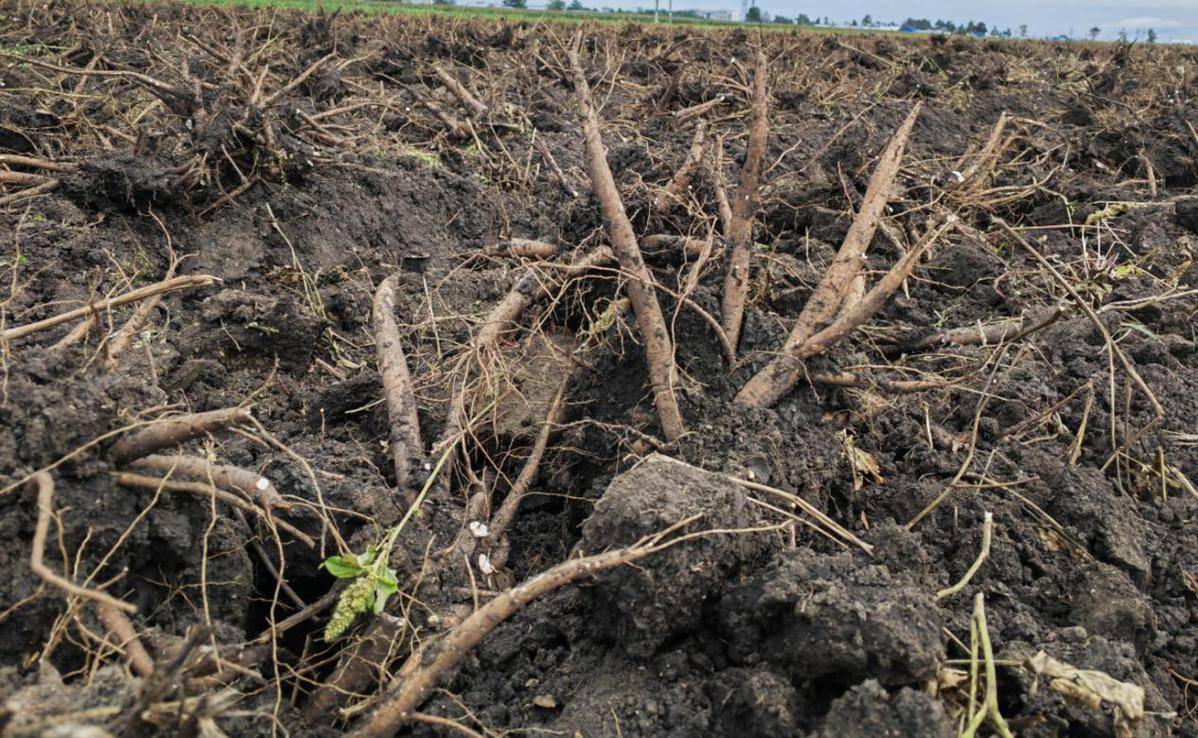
<point x="377" y="375"/>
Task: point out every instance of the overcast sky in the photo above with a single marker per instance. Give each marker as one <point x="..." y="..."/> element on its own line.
<point x="1172" y="19"/>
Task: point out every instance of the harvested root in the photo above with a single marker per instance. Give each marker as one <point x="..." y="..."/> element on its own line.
<point x="45" y="511"/>
<point x="403" y="425"/>
<point x="476" y="107"/>
<point x="174" y="431"/>
<point x="523" y="247"/>
<point x="661" y="241"/>
<point x="681" y="181"/>
<point x="744" y="207"/>
<point x="251" y="484"/>
<point x="981" y="335"/>
<point x="126" y="639"/>
<point x="698" y="111"/>
<point x="780" y="375"/>
<point x="397" y="707"/>
<point x="659" y="349"/>
<point x="141" y="293"/>
<point x="837" y="281"/>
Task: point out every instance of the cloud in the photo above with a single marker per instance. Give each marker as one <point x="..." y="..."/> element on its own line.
<point x="1146" y="21"/>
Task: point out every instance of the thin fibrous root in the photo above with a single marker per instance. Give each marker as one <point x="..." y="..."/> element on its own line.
<point x="251" y="484"/>
<point x="780" y="375"/>
<point x="141" y="293"/>
<point x="659" y="349"/>
<point x="672" y="194"/>
<point x="511" y="503"/>
<point x="174" y="431"/>
<point x="531" y="285"/>
<point x="399" y="704"/>
<point x="744" y="208"/>
<point x="45" y="511"/>
<point x="403" y="423"/>
<point x="204" y="489"/>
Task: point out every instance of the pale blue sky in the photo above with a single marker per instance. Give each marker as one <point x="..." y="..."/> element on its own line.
<point x="1172" y="19"/>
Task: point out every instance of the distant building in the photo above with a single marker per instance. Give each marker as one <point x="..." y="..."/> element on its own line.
<point x="716" y="15"/>
<point x="908" y="29"/>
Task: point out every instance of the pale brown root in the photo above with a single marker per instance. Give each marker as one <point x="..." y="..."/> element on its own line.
<point x="698" y="111"/>
<point x="983" y="554"/>
<point x="403" y="423"/>
<point x="659" y="349"/>
<point x="982" y="335"/>
<point x="23" y="178"/>
<point x="141" y="293"/>
<point x="854" y="295"/>
<point x="45" y="512"/>
<point x="744" y="209"/>
<point x="360" y="664"/>
<point x="659" y="241"/>
<point x="780" y="375"/>
<point x="174" y="431"/>
<point x="125" y="638"/>
<point x="507" y="511"/>
<point x="400" y="703"/>
<point x="523" y="247"/>
<point x="893" y="386"/>
<point x="674" y="190"/>
<point x="983" y="163"/>
<point x="716" y="173"/>
<point x="204" y="489"/>
<point x="120" y="342"/>
<point x="47" y="186"/>
<point x="476" y="107"/>
<point x="32" y="162"/>
<point x="251" y="484"/>
<point x="837" y="281"/>
<point x="547" y="156"/>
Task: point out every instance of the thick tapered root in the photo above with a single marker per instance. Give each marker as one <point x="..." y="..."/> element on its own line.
<point x="403" y="424"/>
<point x="780" y="375"/>
<point x="659" y="349"/>
<point x="744" y="207"/>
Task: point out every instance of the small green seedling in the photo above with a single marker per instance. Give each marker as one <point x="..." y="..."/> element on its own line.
<point x="374" y="582"/>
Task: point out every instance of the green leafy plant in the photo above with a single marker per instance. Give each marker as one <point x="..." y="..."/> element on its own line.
<point x="374" y="581"/>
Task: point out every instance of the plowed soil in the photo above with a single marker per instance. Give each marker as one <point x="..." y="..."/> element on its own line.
<point x="301" y="159"/>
